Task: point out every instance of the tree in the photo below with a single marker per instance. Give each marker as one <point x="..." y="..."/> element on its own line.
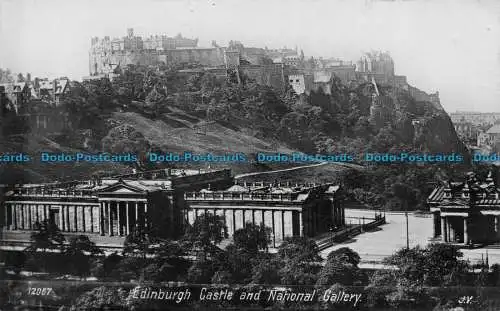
<point x="205" y="233"/>
<point x="80" y="251"/>
<point x="101" y="297"/>
<point x="154" y="101"/>
<point x="300" y="261"/>
<point x="416" y="269"/>
<point x="139" y="242"/>
<point x="302" y="249"/>
<point x="47" y="236"/>
<point x="252" y="238"/>
<point x="341" y="267"/>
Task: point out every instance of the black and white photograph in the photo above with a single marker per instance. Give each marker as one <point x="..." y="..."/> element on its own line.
<point x="250" y="155"/>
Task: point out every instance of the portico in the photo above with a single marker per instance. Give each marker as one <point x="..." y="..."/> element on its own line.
<point x="467" y="212"/>
<point x="105" y="208"/>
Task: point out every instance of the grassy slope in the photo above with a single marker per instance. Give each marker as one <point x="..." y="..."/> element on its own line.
<point x="176" y="132"/>
<point x="36" y="171"/>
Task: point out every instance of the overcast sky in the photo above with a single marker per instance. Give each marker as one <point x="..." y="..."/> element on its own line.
<point x="447" y="45"/>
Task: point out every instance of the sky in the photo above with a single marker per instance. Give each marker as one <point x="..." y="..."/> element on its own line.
<point x="450" y="46"/>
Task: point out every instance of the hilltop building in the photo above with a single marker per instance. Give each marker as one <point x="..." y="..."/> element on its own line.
<point x="106" y="209"/>
<point x="15" y="95"/>
<point x="107" y="55"/>
<point x="466" y="212"/>
<point x="289" y="210"/>
<point x="375" y="65"/>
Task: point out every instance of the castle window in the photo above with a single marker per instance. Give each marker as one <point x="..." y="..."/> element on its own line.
<point x="291" y="80"/>
<point x="297" y="80"/>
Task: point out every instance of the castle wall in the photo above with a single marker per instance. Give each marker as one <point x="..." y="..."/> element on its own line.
<point x="270" y="75"/>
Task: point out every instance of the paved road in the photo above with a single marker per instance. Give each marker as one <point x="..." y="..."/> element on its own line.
<point x="278" y="171"/>
<point x="344" y="164"/>
<point x="374" y="246"/>
<point x="384" y="241"/>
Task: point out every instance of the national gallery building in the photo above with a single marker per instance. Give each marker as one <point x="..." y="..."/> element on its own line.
<point x="108" y="209"/>
<point x="288" y="209"/>
<point x="466" y="212"/>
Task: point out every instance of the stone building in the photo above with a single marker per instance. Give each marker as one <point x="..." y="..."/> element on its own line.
<point x="106" y="209"/>
<point x="15" y="95"/>
<point x="50" y="90"/>
<point x="466" y="212"/>
<point x="376" y="65"/>
<point x="477" y="118"/>
<point x="494" y="134"/>
<point x="107" y="54"/>
<point x="289" y="210"/>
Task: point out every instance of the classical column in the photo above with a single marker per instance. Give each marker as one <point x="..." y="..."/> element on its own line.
<point x="68" y="226"/>
<point x="29" y="216"/>
<point x="234" y="221"/>
<point x="75" y="217"/>
<point x="45" y="207"/>
<point x="450" y="231"/>
<point x="466" y="231"/>
<point x="444" y="229"/>
<point x="61" y="218"/>
<point x="146" y="218"/>
<point x="127" y="212"/>
<point x="274" y="230"/>
<point x="83" y="218"/>
<point x="101" y="218"/>
<point x="22" y="216"/>
<point x="6" y="212"/>
<point x="92" y="219"/>
<point x="110" y="233"/>
<point x="136" y="211"/>
<point x="434" y="221"/>
<point x="283" y="224"/>
<point x="37" y="213"/>
<point x="14" y="216"/>
<point x="301" y="231"/>
<point x="119" y="224"/>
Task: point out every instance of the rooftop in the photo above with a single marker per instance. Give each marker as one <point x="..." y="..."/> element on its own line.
<point x="260" y="191"/>
<point x="495" y="129"/>
<point x="463" y="193"/>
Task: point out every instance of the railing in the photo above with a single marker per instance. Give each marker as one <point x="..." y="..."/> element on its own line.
<point x="261" y="184"/>
<point x="241" y="196"/>
<point x="44" y="192"/>
<point x="342" y="235"/>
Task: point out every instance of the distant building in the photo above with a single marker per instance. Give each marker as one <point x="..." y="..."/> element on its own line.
<point x="299" y="84"/>
<point x="377" y="65"/>
<point x="50" y="90"/>
<point x="422" y="96"/>
<point x="107" y="54"/>
<point x="483" y="139"/>
<point x="15" y="95"/>
<point x="466" y="212"/>
<point x="467" y="132"/>
<point x="287" y="209"/>
<point x="494" y="134"/>
<point x="477" y="118"/>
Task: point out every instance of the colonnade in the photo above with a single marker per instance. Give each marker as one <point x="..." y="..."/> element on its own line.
<point x="282" y="222"/>
<point x="449" y="232"/>
<point x="107" y="217"/>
